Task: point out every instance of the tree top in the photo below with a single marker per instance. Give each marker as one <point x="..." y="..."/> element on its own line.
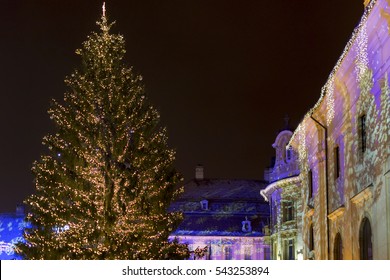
<point x="103" y="22"/>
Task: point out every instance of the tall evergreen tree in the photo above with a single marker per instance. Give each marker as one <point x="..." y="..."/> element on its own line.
<point x="103" y="189"/>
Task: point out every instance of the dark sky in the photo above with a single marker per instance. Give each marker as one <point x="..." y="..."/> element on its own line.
<point x="222" y="73"/>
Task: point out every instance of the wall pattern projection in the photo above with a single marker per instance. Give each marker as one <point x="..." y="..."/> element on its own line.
<point x="350" y="183"/>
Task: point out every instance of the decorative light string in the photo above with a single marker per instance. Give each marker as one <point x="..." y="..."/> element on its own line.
<point x="302" y="148"/>
<point x="330" y="101"/>
<point x="346" y="50"/>
<point x="361" y="62"/>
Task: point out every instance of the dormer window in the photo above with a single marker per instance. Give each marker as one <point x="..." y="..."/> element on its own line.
<point x="204" y="204"/>
<point x="246" y="225"/>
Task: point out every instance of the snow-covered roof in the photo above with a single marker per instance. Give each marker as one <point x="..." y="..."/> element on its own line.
<point x="229" y="203"/>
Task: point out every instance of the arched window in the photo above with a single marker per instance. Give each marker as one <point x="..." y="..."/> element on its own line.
<point x="338" y="247"/>
<point x="365" y="240"/>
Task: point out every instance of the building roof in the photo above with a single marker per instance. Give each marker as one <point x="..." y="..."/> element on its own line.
<point x="223" y="189"/>
<point x="230" y="202"/>
<point x="220" y="225"/>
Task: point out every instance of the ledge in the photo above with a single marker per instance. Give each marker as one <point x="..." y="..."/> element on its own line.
<point x="337" y="213"/>
<point x="310" y="212"/>
<point x="365" y="194"/>
<point x="278" y="184"/>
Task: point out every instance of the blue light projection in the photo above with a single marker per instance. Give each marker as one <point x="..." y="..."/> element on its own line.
<point x="11" y="232"/>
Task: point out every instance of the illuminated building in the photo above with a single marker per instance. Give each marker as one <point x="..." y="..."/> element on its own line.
<point x="283" y="194"/>
<point x="342" y="194"/>
<point x="336" y="205"/>
<point x="227" y="217"/>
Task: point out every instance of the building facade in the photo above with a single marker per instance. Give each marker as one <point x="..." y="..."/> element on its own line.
<point x="283" y="193"/>
<point x="343" y="147"/>
<point x="223" y="220"/>
<point x="227" y="218"/>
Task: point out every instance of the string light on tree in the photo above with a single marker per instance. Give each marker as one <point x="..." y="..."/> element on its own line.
<point x="103" y="189"/>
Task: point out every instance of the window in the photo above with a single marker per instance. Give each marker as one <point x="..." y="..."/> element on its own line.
<point x="288" y="211"/>
<point x="338" y="247"/>
<point x="365" y="240"/>
<point x="363" y="133"/>
<point x="228" y="253"/>
<point x="204" y="205"/>
<point x="311" y="238"/>
<point x="288" y="154"/>
<point x="267" y="253"/>
<point x="246" y="225"/>
<point x="289" y="252"/>
<point x="208" y="256"/>
<point x="337" y="162"/>
<point x="247" y="253"/>
<point x="310" y="184"/>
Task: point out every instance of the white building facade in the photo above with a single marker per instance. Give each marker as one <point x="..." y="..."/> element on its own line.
<point x="223" y="219"/>
<point x="343" y="146"/>
<point x="283" y="194"/>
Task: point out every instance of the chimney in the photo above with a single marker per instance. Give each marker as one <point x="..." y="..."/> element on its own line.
<point x="199" y="174"/>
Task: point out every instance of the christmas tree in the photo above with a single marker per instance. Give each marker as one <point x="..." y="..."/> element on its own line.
<point x="103" y="189"/>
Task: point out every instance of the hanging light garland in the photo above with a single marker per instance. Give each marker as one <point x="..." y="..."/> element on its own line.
<point x="361" y="62"/>
<point x="328" y="85"/>
<point x="330" y="101"/>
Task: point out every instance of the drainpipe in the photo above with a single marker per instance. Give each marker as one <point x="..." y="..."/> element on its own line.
<point x="326" y="181"/>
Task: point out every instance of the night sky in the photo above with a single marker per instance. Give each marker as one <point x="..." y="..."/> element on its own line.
<point x="222" y="73"/>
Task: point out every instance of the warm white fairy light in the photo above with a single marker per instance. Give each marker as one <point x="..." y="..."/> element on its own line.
<point x="330" y="101"/>
<point x="346" y="50"/>
<point x="361" y="62"/>
<point x="302" y="147"/>
<point x="104" y="189"/>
